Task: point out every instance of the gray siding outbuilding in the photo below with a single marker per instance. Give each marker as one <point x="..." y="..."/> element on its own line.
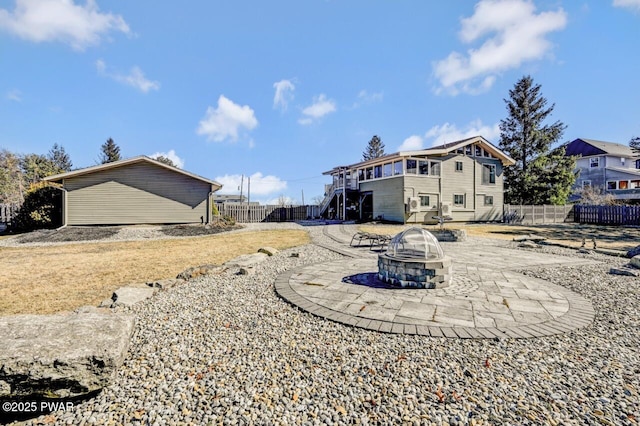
<point x="138" y="190"/>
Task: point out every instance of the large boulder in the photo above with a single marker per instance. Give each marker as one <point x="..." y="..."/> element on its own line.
<point x="63" y="355"/>
<point x="130" y="295"/>
<point x="246" y="260"/>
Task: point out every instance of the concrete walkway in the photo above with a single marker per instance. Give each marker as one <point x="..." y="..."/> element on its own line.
<point x="487" y="298"/>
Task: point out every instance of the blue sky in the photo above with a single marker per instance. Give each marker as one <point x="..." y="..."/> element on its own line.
<point x="284" y="90"/>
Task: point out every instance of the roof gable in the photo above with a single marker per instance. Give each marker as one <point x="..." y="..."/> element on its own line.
<point x="433" y="151"/>
<point x="590" y="147"/>
<point x="123" y="163"/>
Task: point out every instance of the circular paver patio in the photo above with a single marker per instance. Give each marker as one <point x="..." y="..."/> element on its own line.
<point x="487" y="298"/>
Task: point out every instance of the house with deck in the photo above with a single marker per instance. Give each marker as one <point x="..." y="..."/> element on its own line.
<point x="610" y="167"/>
<point x="461" y="180"/>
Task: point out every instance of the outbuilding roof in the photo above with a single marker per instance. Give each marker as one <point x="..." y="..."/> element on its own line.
<point x="121" y="163"/>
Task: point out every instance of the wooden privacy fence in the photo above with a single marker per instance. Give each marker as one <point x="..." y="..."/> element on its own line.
<point x="247" y="213"/>
<point x="8" y="212"/>
<point x="538" y="214"/>
<point x="608" y="215"/>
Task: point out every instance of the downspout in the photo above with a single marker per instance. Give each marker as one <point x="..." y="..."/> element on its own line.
<point x="64" y="206"/>
<point x="210" y="206"/>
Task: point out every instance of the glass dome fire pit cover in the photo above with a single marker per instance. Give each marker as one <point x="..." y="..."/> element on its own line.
<point x="415" y="243"/>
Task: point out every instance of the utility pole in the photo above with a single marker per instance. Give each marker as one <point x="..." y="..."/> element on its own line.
<point x="241" y="185"/>
<point x="248" y="189"/>
<point x="302" y="197"/>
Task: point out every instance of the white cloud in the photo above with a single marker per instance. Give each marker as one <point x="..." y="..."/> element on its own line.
<point x="282" y="200"/>
<point x="171" y="155"/>
<point x="412" y="143"/>
<point x="450" y="132"/>
<point x="283" y="95"/>
<point x="226" y="120"/>
<point x="630" y="4"/>
<point x="364" y="98"/>
<point x="513" y="33"/>
<point x="260" y="185"/>
<point x="320" y="107"/>
<point x="14" y="95"/>
<point x="135" y="78"/>
<point x="79" y="26"/>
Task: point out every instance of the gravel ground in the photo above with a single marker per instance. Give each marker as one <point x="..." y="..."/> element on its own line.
<point x="226" y="349"/>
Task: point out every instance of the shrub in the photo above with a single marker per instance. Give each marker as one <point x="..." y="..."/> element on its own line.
<point x="42" y="209"/>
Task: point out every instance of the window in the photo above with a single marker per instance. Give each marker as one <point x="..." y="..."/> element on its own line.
<point x="397" y="168"/>
<point x="424" y="201"/>
<point x="478" y="151"/>
<point x="458" y="200"/>
<point x="612" y="184"/>
<point x="623" y="184"/>
<point x="488" y="200"/>
<point x="368" y="174"/>
<point x="486" y="154"/>
<point x="423" y="167"/>
<point x="622" y="161"/>
<point x="458" y="166"/>
<point x="460" y="151"/>
<point x="377" y="171"/>
<point x="360" y="175"/>
<point x="586" y="183"/>
<point x="488" y="174"/>
<point x="412" y="167"/>
<point x="637" y="164"/>
<point x="594" y="162"/>
<point x="435" y="168"/>
<point x="387" y="169"/>
<point x="634" y="184"/>
<point x="467" y="150"/>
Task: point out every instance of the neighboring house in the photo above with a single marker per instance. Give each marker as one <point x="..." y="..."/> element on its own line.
<point x="610" y="167"/>
<point x="233" y="198"/>
<point x="229" y="198"/>
<point x="462" y="180"/>
<point x="137" y="190"/>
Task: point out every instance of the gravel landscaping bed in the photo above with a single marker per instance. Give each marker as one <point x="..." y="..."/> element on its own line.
<point x="226" y="349"/>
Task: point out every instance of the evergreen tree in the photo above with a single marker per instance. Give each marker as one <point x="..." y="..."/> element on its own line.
<point x="375" y="149"/>
<point x="60" y="159"/>
<point x="634" y="144"/>
<point x="165" y="160"/>
<point x="36" y="167"/>
<point x="540" y="175"/>
<point x="110" y="152"/>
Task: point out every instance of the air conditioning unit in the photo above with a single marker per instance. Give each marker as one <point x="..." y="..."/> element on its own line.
<point x="445" y="209"/>
<point x="414" y="204"/>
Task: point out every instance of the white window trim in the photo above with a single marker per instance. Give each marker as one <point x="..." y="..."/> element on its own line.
<point x="464" y="199"/>
<point x="461" y="167"/>
<point x="591" y="162"/>
<point x="614" y="181"/>
<point x="485" y="200"/>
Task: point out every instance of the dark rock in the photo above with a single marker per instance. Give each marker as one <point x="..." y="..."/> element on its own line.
<point x="633" y="252"/>
<point x="624" y="271"/>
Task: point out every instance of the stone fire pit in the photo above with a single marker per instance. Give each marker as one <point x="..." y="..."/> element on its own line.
<point x="414" y="259"/>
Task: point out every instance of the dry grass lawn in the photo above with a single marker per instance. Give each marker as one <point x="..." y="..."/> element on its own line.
<point x="612" y="237"/>
<point x="42" y="280"/>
